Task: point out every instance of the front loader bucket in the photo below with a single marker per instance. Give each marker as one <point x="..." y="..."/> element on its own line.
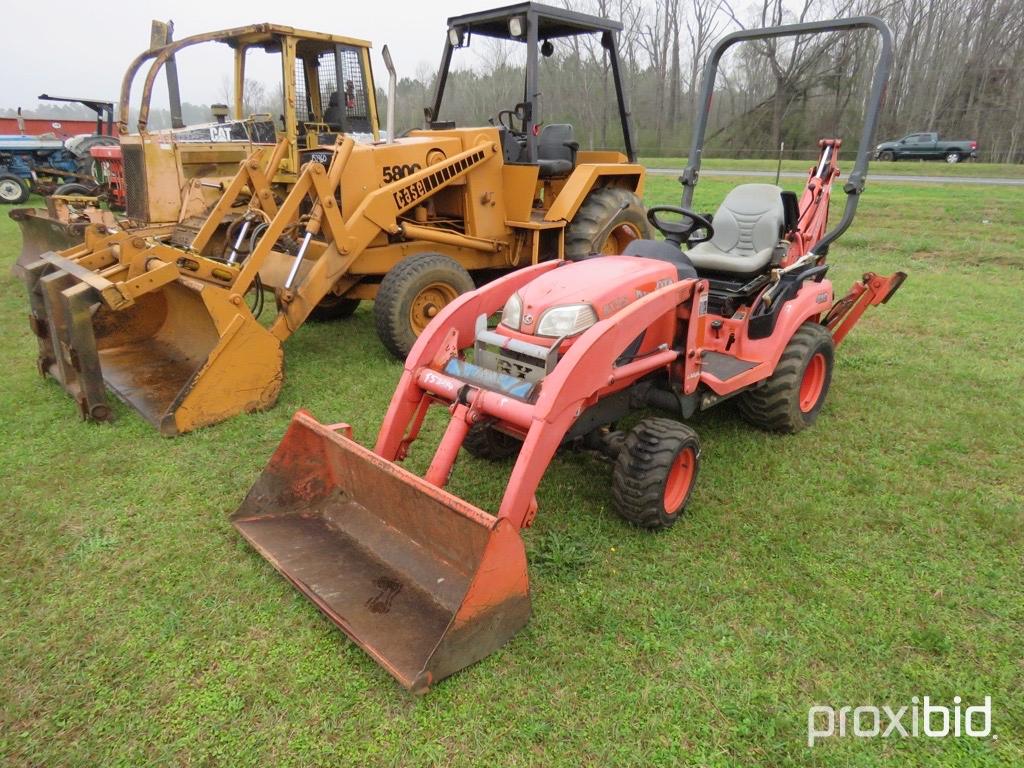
<point x="41" y="233"/>
<point x="183" y="355"/>
<point x="423" y="581"/>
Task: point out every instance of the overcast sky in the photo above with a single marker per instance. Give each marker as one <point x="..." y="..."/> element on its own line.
<point x="74" y="48"/>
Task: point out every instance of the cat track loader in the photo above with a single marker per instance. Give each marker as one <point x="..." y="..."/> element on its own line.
<point x="167" y="317"/>
<point x="174" y="174"/>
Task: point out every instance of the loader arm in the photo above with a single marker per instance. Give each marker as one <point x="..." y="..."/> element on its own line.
<point x="581" y="377"/>
<point x="349" y="238"/>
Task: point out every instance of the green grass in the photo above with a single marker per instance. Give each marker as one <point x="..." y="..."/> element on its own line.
<point x="873" y="558"/>
<point x="901" y="168"/>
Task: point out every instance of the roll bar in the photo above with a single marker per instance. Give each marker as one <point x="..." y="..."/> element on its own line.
<point x="855" y="183"/>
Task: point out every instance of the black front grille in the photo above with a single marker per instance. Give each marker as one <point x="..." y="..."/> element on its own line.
<point x="135" y="181"/>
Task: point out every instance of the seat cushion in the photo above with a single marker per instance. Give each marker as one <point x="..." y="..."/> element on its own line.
<point x="708" y="257"/>
<point x="549" y="168"/>
<point x="556" y="150"/>
<point x="748" y="226"/>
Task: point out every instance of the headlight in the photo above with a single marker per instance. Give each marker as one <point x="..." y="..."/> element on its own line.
<point x="512" y="314"/>
<point x="566" y="321"/>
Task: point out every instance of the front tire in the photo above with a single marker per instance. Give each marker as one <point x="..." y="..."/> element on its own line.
<point x="485" y="442"/>
<point x="14" y="190"/>
<point x="887" y="156"/>
<point x="792" y="396"/>
<point x="412" y="294"/>
<point x="655" y="472"/>
<point x="609" y="220"/>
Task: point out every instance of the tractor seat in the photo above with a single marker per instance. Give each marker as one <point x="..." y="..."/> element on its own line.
<point x="662" y="250"/>
<point x="748" y="225"/>
<point x="556" y="150"/>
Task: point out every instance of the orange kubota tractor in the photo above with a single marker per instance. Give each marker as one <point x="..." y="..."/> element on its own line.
<point x="167" y="317"/>
<point x="735" y="306"/>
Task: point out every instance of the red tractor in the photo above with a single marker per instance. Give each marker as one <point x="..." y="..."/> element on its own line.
<point x="737" y="305"/>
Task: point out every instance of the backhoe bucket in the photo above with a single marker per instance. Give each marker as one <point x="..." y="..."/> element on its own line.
<point x="423" y="581"/>
<point x="182" y="355"/>
<point x="41" y="233"/>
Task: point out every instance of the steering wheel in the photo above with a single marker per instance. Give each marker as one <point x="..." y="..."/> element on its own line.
<point x="679" y="232"/>
<point x="512" y="113"/>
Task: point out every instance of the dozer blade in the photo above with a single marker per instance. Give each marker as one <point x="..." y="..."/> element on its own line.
<point x="41" y="233"/>
<point x="423" y="581"/>
<point x="183" y="355"/>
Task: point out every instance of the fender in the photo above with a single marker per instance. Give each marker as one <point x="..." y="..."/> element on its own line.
<point x="589" y="176"/>
<point x="811" y="303"/>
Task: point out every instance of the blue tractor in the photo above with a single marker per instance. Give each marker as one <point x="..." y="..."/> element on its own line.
<point x="50" y="165"/>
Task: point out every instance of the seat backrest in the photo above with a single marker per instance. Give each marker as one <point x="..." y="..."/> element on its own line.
<point x="333" y="115"/>
<point x="749" y="220"/>
<point x="556" y="142"/>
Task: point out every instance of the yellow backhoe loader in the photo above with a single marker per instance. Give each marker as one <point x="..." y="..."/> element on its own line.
<point x="161" y="316"/>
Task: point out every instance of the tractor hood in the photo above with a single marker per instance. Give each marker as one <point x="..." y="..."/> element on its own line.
<point x="605" y="284"/>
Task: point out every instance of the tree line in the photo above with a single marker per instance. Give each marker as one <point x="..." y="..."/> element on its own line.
<point x="958" y="70"/>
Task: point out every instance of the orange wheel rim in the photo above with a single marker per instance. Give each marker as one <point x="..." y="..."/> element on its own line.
<point x="428" y="302"/>
<point x="680" y="478"/>
<point x="619" y="238"/>
<point x="813" y="383"/>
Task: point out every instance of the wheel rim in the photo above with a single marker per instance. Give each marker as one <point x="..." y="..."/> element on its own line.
<point x="812" y="383"/>
<point x="680" y="477"/>
<point x="620" y="236"/>
<point x="428" y="303"/>
<point x="951" y="158"/>
<point x="9" y="190"/>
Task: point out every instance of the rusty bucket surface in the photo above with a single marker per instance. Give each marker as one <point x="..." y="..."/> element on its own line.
<point x="183" y="356"/>
<point x="423" y="581"/>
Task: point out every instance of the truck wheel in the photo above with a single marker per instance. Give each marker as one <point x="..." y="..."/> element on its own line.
<point x="886" y="156"/>
<point x="791" y="397"/>
<point x="952" y="158"/>
<point x="13" y="189"/>
<point x="411" y="295"/>
<point x="655" y="472"/>
<point x="333" y="307"/>
<point x="609" y="220"/>
<point x="485" y="442"/>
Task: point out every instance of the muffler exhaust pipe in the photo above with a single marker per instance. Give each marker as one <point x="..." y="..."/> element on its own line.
<point x="392" y="91"/>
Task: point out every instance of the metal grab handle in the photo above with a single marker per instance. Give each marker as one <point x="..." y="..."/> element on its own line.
<point x="855" y="185"/>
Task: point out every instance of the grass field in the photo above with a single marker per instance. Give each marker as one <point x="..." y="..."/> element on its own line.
<point x="901" y="168"/>
<point x="871" y="559"/>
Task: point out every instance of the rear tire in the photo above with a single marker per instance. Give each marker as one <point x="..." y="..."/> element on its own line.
<point x="412" y="293"/>
<point x="14" y="190"/>
<point x="655" y="472"/>
<point x="886" y="156"/>
<point x="485" y="442"/>
<point x="333" y="307"/>
<point x="952" y="158"/>
<point x="609" y="219"/>
<point x="792" y="396"/>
